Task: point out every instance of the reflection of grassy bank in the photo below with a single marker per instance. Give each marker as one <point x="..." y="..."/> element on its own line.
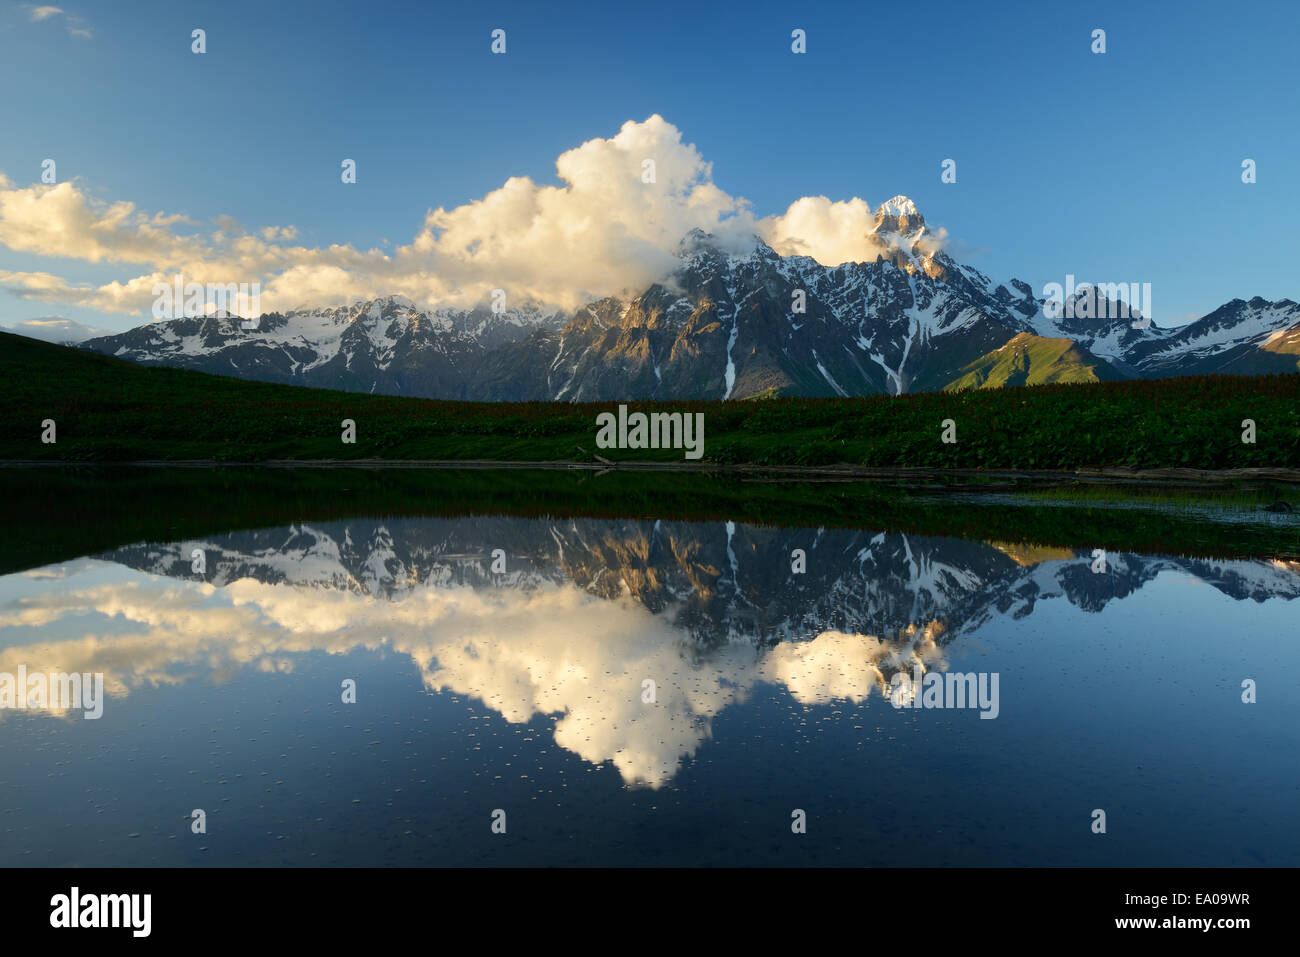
<point x="107" y="410"/>
<point x="1233" y="497"/>
<point x="52" y="514"/>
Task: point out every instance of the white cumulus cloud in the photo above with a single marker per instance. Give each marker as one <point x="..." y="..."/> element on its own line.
<point x="613" y="224"/>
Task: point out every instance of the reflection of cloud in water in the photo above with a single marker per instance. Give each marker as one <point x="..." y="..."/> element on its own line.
<point x="551" y="650"/>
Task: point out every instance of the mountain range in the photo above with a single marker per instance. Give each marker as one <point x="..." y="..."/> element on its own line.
<point x="732" y="323"/>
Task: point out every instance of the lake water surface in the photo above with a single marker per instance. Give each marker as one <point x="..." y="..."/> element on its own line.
<point x="632" y="691"/>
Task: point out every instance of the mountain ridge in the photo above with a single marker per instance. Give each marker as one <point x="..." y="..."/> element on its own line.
<point x="727" y="324"/>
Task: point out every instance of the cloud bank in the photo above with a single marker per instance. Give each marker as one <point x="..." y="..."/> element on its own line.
<point x="614" y="224"/>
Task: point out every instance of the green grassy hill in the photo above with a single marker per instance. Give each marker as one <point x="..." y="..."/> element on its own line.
<point x="1033" y="360"/>
<point x="109" y="410"/>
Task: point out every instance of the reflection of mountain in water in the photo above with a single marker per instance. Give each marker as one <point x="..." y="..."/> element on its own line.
<point x="716" y="582"/>
<point x="584" y="615"/>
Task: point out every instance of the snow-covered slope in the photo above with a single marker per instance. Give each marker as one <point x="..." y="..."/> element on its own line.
<point x="1239" y="337"/>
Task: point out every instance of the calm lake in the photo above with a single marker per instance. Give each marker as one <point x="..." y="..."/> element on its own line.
<point x="354" y="684"/>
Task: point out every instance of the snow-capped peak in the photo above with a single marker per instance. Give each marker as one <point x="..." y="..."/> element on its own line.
<point x="899" y="207"/>
<point x="898" y="223"/>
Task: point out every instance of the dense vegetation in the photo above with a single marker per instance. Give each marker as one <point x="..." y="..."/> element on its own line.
<point x="109" y="410"/>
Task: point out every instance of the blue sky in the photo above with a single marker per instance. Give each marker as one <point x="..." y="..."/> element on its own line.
<point x="1124" y="166"/>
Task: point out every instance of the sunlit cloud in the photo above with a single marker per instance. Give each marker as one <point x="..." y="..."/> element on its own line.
<point x="614" y="224"/>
